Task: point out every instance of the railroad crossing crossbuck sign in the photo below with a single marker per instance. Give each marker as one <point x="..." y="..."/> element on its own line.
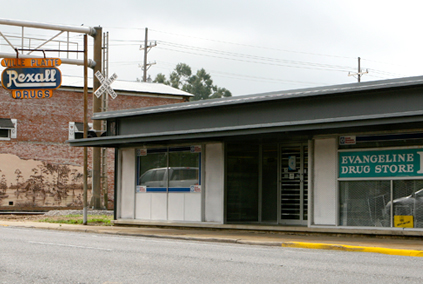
<point x="105" y="85"/>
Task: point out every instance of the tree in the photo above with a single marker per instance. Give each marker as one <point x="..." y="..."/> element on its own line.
<point x="19" y="176"/>
<point x="200" y="84"/>
<point x="3" y="183"/>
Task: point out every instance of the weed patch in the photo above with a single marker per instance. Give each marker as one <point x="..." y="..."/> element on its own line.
<point x="100" y="220"/>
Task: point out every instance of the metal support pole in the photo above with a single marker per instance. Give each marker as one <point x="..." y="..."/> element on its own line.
<point x="104" y="99"/>
<point x="310" y="189"/>
<point x="96" y="181"/>
<point x="75" y="29"/>
<point x="144" y="77"/>
<point x="85" y="127"/>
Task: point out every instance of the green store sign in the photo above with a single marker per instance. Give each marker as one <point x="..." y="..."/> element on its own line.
<point x="381" y="163"/>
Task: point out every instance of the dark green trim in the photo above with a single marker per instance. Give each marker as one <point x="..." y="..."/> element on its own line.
<point x="337" y="124"/>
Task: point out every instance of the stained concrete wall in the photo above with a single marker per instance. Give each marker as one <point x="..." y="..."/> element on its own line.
<point x="325" y="181"/>
<point x="214" y="183"/>
<point x="127" y="184"/>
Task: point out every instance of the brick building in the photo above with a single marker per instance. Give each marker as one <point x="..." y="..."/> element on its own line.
<point x="38" y="170"/>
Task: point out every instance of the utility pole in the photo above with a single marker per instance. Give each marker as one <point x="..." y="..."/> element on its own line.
<point x="85" y="209"/>
<point x="104" y="107"/>
<point x="147" y="46"/>
<point x="359" y="72"/>
<point x="96" y="167"/>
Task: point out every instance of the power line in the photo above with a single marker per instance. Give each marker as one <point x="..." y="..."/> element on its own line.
<point x="254" y="46"/>
<point x="176" y="45"/>
<point x="247" y="77"/>
<point x="234" y="54"/>
<point x="257" y="62"/>
<point x="248" y="56"/>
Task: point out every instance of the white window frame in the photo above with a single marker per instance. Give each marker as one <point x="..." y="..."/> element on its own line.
<point x="12" y="132"/>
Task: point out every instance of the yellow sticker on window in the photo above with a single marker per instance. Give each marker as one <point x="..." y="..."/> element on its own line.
<point x="403" y="221"/>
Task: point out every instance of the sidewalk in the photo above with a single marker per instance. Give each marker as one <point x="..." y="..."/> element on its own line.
<point x="393" y="246"/>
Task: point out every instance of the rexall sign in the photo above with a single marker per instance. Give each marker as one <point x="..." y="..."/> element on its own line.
<point x="381" y="163"/>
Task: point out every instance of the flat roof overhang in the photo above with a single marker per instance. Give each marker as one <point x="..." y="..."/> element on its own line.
<point x="335" y="125"/>
<point x="362" y="87"/>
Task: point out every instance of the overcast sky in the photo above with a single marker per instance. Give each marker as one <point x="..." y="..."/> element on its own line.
<point x="248" y="47"/>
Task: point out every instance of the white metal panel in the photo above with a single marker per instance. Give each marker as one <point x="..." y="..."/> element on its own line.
<point x="192" y="207"/>
<point x="14" y="131"/>
<point x="176" y="206"/>
<point x="118" y="187"/>
<point x="143" y="206"/>
<point x="128" y="183"/>
<point x="158" y="206"/>
<point x="325" y="181"/>
<point x="127" y="86"/>
<point x="71" y="132"/>
<point x="214" y="183"/>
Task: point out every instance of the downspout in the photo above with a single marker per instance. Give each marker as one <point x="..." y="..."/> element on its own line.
<point x="115" y="187"/>
<point x="310" y="206"/>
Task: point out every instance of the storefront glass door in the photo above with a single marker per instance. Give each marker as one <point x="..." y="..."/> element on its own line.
<point x="251" y="183"/>
<point x="293" y="185"/>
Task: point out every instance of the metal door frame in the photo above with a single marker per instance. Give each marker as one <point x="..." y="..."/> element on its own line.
<point x="303" y="156"/>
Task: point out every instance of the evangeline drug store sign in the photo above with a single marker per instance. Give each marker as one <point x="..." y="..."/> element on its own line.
<point x="381" y="163"/>
<point x="31" y="78"/>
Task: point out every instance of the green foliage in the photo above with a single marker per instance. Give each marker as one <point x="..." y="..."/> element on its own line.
<point x="199" y="84"/>
<point x="160" y="78"/>
<point x="103" y="220"/>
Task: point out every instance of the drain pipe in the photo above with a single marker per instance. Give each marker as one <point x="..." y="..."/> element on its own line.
<point x="310" y="207"/>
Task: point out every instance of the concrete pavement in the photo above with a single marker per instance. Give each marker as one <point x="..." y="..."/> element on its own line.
<point x="388" y="245"/>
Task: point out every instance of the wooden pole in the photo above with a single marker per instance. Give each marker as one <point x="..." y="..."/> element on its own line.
<point x="85" y="127"/>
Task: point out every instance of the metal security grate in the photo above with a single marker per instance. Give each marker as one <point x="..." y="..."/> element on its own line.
<point x="362" y="203"/>
<point x="294" y="183"/>
<point x="408" y="201"/>
<point x="369" y="203"/>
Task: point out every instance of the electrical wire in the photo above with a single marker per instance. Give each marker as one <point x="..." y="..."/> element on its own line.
<point x="257" y="62"/>
<point x="234" y="54"/>
<point x="246" y="77"/>
<point x="254" y="46"/>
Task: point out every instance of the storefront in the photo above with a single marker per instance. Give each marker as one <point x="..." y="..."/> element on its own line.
<point x="382" y="186"/>
<point x="168" y="183"/>
<point x="347" y="156"/>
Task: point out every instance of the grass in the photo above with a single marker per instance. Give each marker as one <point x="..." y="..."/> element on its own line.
<point x="100" y="220"/>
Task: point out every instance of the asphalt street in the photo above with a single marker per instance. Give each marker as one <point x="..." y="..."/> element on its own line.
<point x="30" y="255"/>
<point x="393" y="245"/>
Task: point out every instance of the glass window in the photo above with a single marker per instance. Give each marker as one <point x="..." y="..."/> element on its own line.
<point x="369" y="203"/>
<point x="184" y="165"/>
<point x="4" y="133"/>
<point x="173" y="169"/>
<point x="408" y="201"/>
<point x="152" y="169"/>
<point x="269" y="183"/>
<point x="363" y="203"/>
<point x="242" y="182"/>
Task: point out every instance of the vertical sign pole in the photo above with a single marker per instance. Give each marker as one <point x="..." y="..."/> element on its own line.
<point x="85" y="127"/>
<point x="96" y="151"/>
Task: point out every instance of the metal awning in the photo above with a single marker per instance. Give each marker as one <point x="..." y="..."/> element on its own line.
<point x="336" y="124"/>
<point x="6" y="123"/>
<point x="382" y="105"/>
<point x="264" y="97"/>
<point x="79" y="127"/>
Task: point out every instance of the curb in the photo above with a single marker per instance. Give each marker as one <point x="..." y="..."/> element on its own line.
<point x="401" y="252"/>
<point x="304" y="245"/>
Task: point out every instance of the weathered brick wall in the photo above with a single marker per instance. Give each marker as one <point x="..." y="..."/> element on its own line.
<point x="42" y="129"/>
